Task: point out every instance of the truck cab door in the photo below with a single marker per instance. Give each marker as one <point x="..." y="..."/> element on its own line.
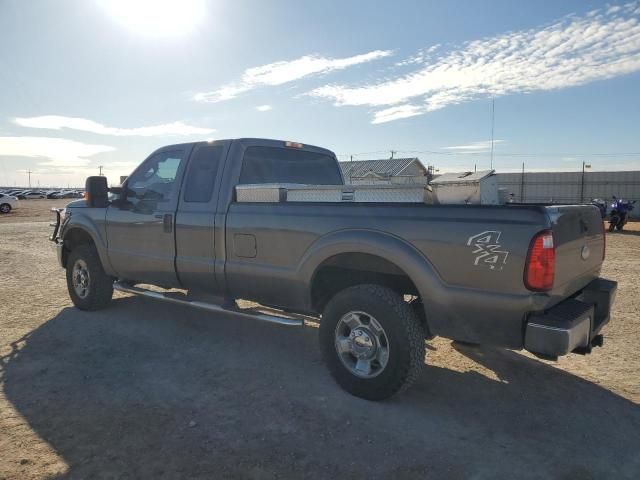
<point x="140" y="225"/>
<point x="198" y="221"/>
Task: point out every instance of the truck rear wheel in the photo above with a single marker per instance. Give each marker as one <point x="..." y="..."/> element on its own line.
<point x="89" y="287"/>
<point x="372" y="341"/>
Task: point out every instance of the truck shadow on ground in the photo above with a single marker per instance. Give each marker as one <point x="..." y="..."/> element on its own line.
<point x="625" y="232"/>
<point x="149" y="390"/>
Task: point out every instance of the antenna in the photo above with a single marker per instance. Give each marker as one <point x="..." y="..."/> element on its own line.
<point x="493" y="117"/>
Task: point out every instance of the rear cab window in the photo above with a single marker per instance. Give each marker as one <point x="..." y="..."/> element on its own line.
<point x="288" y="165"/>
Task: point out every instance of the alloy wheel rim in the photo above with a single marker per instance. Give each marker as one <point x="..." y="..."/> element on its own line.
<point x="81" y="278"/>
<point x="362" y="344"/>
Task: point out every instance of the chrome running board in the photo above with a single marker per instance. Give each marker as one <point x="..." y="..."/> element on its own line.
<point x="211" y="307"/>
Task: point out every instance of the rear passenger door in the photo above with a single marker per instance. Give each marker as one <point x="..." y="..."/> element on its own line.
<point x="196" y="219"/>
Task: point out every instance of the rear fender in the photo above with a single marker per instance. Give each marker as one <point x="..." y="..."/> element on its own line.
<point x="381" y="244"/>
<point x="470" y="314"/>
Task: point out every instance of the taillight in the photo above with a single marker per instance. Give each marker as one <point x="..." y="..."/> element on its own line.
<point x="541" y="263"/>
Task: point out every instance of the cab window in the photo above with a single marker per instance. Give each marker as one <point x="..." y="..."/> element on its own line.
<point x="155" y="182"/>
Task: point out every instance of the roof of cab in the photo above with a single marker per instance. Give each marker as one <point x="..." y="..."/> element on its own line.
<point x="250" y="141"/>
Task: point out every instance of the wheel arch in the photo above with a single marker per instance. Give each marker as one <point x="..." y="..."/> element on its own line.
<point x="381" y="256"/>
<point x="84" y="232"/>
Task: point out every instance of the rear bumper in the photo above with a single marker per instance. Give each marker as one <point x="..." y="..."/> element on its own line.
<point x="574" y="324"/>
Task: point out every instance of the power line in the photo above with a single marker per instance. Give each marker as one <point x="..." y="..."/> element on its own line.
<point x="520" y="154"/>
<point x="500" y="154"/>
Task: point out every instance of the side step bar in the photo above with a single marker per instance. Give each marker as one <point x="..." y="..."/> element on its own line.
<point x="211" y="307"/>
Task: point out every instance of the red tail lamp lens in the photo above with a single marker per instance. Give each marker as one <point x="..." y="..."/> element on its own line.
<point x="541" y="263"/>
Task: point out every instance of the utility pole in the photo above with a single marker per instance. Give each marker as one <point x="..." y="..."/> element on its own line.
<point x="100" y="168"/>
<point x="584" y="165"/>
<point x="29" y="172"/>
<point x="350" y="169"/>
<point x="392" y="153"/>
<point x="493" y="116"/>
<point x="522" y="185"/>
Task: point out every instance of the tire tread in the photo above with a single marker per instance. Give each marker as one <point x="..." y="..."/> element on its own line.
<point x="101" y="284"/>
<point x="412" y="332"/>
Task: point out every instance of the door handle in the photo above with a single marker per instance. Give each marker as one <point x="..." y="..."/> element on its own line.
<point x="167" y="223"/>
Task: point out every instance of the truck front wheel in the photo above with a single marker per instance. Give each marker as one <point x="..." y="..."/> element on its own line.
<point x="89" y="287"/>
<point x="372" y="341"/>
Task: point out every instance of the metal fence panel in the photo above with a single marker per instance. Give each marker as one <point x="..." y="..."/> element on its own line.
<point x="571" y="187"/>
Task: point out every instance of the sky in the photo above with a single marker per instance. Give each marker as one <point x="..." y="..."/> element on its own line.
<point x="96" y="83"/>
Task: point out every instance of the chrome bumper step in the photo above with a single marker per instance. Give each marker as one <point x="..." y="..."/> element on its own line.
<point x="211" y="307"/>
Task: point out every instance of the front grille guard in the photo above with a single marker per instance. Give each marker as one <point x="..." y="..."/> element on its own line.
<point x="56" y="226"/>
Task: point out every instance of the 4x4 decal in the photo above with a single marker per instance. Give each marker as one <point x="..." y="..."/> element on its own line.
<point x="487" y="250"/>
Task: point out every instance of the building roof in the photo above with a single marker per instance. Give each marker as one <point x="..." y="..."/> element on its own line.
<point x="464" y="177"/>
<point x="383" y="168"/>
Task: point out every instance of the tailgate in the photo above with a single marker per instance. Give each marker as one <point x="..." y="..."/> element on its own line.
<point x="578" y="236"/>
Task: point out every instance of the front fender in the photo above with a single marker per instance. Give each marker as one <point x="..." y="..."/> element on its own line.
<point x="94" y="228"/>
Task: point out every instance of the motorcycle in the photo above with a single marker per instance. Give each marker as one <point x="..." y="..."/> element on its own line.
<point x="619" y="214"/>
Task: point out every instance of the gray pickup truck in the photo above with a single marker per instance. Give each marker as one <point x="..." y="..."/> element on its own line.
<point x="379" y="276"/>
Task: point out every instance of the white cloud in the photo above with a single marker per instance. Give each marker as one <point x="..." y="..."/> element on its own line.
<point x="264" y="108"/>
<point x="482" y="146"/>
<point x="58" y="153"/>
<point x="58" y="122"/>
<point x="573" y="51"/>
<point x="282" y="72"/>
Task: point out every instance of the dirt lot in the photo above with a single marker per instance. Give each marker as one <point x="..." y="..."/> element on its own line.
<point x="149" y="390"/>
<point x="33" y="211"/>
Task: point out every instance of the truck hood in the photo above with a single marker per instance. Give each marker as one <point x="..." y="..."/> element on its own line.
<point x="77" y="204"/>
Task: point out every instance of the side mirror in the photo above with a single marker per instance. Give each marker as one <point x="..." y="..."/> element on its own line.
<point x="97" y="192"/>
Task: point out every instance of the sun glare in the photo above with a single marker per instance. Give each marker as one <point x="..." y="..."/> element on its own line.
<point x="157" y="17"/>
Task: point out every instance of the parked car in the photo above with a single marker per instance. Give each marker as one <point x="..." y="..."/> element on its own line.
<point x="53" y="194"/>
<point x="221" y="218"/>
<point x="31" y="194"/>
<point x="7" y="203"/>
<point x="68" y="194"/>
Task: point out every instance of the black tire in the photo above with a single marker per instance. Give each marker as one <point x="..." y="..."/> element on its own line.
<point x="5" y="208"/>
<point x="402" y="327"/>
<point x="612" y="226"/>
<point x="99" y="288"/>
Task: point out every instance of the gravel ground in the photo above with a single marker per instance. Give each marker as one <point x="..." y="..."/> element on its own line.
<point x="159" y="391"/>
